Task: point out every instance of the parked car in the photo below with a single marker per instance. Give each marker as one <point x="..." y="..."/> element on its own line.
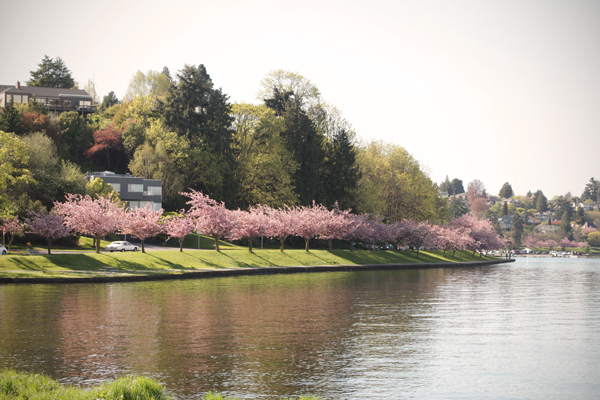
<point x="121" y="246"/>
<point x="374" y="246"/>
<point x="388" y="246"/>
<point x="3" y="250"/>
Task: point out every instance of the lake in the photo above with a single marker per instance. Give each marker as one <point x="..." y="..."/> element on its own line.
<point x="524" y="330"/>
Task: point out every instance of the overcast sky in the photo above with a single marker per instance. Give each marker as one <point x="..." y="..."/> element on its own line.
<point x="500" y="91"/>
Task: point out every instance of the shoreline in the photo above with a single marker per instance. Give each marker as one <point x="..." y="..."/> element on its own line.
<point x="216" y="273"/>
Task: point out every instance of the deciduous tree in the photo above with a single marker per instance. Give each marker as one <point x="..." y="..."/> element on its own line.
<point x="143" y="223"/>
<point x="179" y="227"/>
<point x="94" y="217"/>
<point x="12" y="227"/>
<point x="48" y="226"/>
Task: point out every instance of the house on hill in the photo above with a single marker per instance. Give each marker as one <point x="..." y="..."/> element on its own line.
<point x="57" y="100"/>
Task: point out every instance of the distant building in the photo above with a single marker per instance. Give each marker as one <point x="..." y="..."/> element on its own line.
<point x="137" y="192"/>
<point x="56" y="99"/>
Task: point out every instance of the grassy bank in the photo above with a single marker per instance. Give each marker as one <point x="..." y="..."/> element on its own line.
<point x="174" y="262"/>
<point x="18" y="385"/>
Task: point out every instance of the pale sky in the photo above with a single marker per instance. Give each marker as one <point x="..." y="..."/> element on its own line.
<point x="500" y="91"/>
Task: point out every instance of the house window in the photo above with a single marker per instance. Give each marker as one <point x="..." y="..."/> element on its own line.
<point x="116" y="186"/>
<point x="14" y="97"/>
<point x="85" y="103"/>
<point x="157" y="206"/>
<point x="134" y="204"/>
<point x="41" y="100"/>
<point x="135" y="188"/>
<point x="154" y="190"/>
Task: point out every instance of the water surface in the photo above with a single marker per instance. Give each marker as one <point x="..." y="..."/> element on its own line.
<point x="526" y="330"/>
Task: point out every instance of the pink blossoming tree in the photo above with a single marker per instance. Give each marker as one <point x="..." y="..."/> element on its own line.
<point x="48" y="226"/>
<point x="210" y="217"/>
<point x="282" y="224"/>
<point x="179" y="227"/>
<point x="95" y="217"/>
<point x="250" y="224"/>
<point x="143" y="223"/>
<point x="12" y="227"/>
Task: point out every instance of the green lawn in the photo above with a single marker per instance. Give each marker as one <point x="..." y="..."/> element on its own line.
<point x="160" y="262"/>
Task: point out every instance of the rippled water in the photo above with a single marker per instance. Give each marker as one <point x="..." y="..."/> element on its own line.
<point x="527" y="330"/>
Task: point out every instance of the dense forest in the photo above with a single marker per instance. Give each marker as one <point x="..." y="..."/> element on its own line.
<point x="289" y="147"/>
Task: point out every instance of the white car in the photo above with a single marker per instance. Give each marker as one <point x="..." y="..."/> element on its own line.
<point x="121" y="246"/>
<point x="3" y="250"/>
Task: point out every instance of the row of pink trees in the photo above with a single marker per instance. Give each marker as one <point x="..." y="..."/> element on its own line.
<point x="533" y="242"/>
<point x="104" y="215"/>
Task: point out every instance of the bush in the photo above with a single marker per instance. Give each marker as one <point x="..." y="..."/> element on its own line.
<point x="594" y="238"/>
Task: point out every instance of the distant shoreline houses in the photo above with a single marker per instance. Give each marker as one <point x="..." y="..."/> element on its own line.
<point x="544" y="221"/>
<point x="57" y="100"/>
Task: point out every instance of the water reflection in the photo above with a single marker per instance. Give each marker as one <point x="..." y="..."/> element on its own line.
<point x="434" y="333"/>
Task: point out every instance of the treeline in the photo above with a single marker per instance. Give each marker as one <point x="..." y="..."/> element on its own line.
<point x="291" y="148"/>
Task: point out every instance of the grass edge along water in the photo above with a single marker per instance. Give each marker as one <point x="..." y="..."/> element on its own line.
<point x="21" y="385"/>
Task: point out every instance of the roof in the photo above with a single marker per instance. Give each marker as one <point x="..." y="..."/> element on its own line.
<point x="39" y="91"/>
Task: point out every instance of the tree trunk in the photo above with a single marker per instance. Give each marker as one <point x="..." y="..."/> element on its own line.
<point x="417" y="253"/>
<point x="97" y="239"/>
<point x="306" y="245"/>
<point x="49" y="245"/>
<point x="281" y="244"/>
<point x="181" y="245"/>
<point x="143" y="250"/>
<point x="10" y="242"/>
<point x="250" y="245"/>
<point x="453" y="252"/>
<point x="329" y="242"/>
<point x="444" y="252"/>
<point x="216" y="243"/>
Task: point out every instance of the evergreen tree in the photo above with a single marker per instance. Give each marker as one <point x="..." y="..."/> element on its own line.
<point x="341" y="172"/>
<point x="591" y="191"/>
<point x="52" y="73"/>
<point x="505" y="209"/>
<point x="565" y="229"/>
<point x="10" y="119"/>
<point x="542" y="203"/>
<point x="457" y="186"/>
<point x="446" y="186"/>
<point x="197" y="111"/>
<point x="304" y="142"/>
<point x="517" y="229"/>
<point x="506" y="191"/>
<point x="109" y="100"/>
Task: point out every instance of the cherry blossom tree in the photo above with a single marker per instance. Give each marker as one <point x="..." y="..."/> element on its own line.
<point x="12" y="227"/>
<point x="565" y="242"/>
<point x="282" y="224"/>
<point x="353" y="228"/>
<point x="48" y="226"/>
<point x="334" y="224"/>
<point x="95" y="217"/>
<point x="532" y="242"/>
<point x="179" y="227"/>
<point x="310" y="222"/>
<point x="416" y="234"/>
<point x="210" y="216"/>
<point x="550" y="244"/>
<point x="143" y="223"/>
<point x="250" y="224"/>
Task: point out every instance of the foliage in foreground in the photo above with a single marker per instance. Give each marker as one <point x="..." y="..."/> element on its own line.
<point x="19" y="385"/>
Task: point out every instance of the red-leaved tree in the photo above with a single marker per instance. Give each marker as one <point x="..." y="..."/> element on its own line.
<point x="94" y="217"/>
<point x="48" y="226"/>
<point x="106" y="141"/>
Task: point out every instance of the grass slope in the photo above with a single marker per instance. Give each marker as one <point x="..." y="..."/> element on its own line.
<point x="19" y="386"/>
<point x="160" y="262"/>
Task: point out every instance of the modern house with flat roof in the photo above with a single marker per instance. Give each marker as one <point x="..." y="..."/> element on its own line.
<point x="137" y="192"/>
<point x="56" y="99"/>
